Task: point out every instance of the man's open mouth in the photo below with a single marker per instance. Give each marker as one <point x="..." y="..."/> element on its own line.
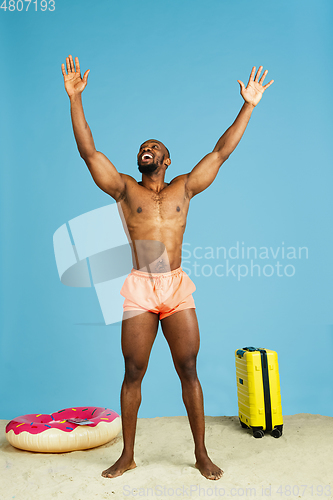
<point x="146" y="157"/>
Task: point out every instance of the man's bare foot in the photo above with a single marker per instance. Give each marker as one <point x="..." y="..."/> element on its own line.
<point x="208" y="469"/>
<point x="118" y="468"/>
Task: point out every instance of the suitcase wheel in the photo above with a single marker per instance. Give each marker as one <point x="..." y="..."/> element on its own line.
<point x="259" y="433"/>
<point x="277" y="431"/>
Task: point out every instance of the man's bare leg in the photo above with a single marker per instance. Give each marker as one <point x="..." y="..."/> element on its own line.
<point x="181" y="331"/>
<point x="137" y="338"/>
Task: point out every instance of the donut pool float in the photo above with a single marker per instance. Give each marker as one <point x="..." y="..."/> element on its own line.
<point x="70" y="429"/>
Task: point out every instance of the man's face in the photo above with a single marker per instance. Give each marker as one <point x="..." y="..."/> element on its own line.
<point x="151" y="156"/>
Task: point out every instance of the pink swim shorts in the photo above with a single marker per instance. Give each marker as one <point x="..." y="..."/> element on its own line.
<point x="160" y="293"/>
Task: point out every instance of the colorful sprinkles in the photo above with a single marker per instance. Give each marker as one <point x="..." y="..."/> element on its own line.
<point x="50" y="421"/>
<point x="54" y="433"/>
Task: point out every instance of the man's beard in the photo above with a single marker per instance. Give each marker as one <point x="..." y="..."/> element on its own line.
<point x="147" y="169"/>
<point x="151" y="167"/>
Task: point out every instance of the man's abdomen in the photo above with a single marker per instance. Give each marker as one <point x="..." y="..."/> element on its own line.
<point x="156" y="256"/>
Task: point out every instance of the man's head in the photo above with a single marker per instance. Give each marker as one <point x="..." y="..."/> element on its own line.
<point x="153" y="155"/>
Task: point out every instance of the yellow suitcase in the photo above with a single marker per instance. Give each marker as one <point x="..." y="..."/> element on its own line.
<point x="258" y="388"/>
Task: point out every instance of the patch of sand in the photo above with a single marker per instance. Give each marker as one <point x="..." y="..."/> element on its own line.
<point x="297" y="465"/>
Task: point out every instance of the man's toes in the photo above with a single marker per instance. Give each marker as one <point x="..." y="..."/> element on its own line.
<point x="216" y="475"/>
<point x="107" y="474"/>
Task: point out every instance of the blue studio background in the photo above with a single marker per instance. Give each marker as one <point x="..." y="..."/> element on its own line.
<point x="169" y="70"/>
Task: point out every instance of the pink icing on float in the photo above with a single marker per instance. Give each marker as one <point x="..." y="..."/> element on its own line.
<point x="54" y="433"/>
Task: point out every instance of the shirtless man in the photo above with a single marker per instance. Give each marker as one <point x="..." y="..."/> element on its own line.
<point x="154" y="217"/>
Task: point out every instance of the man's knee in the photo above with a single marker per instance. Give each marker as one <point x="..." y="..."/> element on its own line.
<point x="134" y="371"/>
<point x="187" y="368"/>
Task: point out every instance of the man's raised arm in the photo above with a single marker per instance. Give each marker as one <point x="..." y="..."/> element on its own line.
<point x="102" y="170"/>
<point x="206" y="170"/>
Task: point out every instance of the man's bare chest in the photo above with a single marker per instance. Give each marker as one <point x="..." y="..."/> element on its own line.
<point x="143" y="204"/>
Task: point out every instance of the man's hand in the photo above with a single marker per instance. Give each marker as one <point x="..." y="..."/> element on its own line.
<point x="255" y="88"/>
<point x="204" y="173"/>
<point x="74" y="84"/>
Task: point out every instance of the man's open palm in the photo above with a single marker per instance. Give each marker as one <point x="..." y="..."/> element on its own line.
<point x="255" y="88"/>
<point x="74" y="84"/>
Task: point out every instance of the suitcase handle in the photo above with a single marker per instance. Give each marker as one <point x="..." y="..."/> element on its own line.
<point x="241" y="352"/>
